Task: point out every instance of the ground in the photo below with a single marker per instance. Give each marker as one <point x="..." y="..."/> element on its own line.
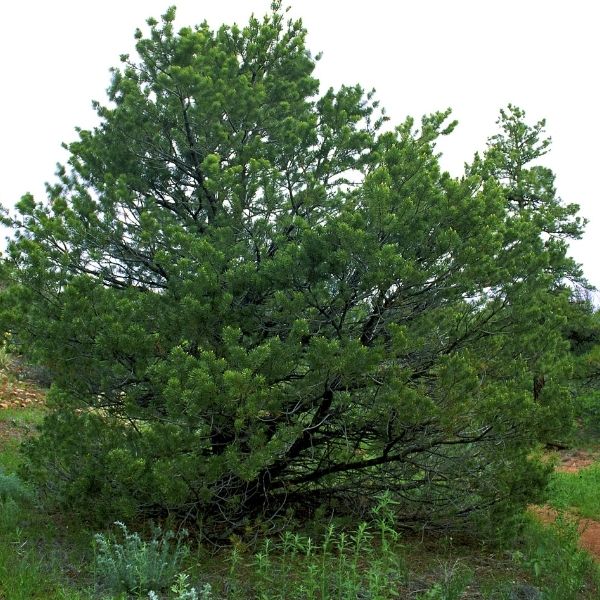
<point x="574" y="462"/>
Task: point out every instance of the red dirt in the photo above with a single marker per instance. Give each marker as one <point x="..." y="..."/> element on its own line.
<point x="589" y="530"/>
<point x="18" y="394"/>
<point x="573" y="461"/>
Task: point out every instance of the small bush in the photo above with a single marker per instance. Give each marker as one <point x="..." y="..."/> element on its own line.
<point x="12" y="488"/>
<point x="128" y="564"/>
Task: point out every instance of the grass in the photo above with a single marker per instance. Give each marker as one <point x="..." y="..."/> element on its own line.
<point x="560" y="569"/>
<point x="23" y="418"/>
<point x="34" y="551"/>
<point x="580" y="491"/>
<point x="15" y="424"/>
<point x="28" y="568"/>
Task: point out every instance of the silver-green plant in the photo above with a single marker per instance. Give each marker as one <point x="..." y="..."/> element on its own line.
<point x="181" y="590"/>
<point x="128" y="564"/>
<point x="12" y="488"/>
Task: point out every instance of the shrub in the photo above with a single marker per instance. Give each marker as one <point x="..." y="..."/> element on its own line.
<point x="126" y="563"/>
<point x="251" y="296"/>
<point x="12" y="488"/>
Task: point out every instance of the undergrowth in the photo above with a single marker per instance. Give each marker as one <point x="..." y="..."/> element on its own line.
<point x="557" y="565"/>
<point x="127" y="564"/>
<point x="370" y="561"/>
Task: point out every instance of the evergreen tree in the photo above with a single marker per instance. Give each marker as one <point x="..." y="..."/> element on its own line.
<point x="252" y="298"/>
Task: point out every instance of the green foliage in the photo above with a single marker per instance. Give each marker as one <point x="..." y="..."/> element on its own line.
<point x="12" y="488"/>
<point x="251" y="298"/>
<point x="583" y="333"/>
<point x="5" y="358"/>
<point x="27" y="572"/>
<point x="182" y="591"/>
<point x="364" y="563"/>
<point x="126" y="563"/>
<point x="5" y="355"/>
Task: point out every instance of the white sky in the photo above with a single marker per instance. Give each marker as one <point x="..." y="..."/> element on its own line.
<point x="424" y="55"/>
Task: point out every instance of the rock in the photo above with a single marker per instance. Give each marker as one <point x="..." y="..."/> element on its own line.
<point x="524" y="591"/>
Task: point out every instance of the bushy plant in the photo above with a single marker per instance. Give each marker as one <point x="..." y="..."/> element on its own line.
<point x="251" y="296"/>
<point x="13" y="488"/>
<point x="182" y="590"/>
<point x="127" y="563"/>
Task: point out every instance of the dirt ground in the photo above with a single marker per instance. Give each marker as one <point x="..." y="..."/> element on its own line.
<point x="18" y="394"/>
<point x="571" y="461"/>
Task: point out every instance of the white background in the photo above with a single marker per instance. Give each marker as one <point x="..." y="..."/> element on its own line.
<point x="424" y="55"/>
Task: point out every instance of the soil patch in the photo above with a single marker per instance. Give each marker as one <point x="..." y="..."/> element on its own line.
<point x="573" y="460"/>
<point x="19" y="394"/>
<point x="589" y="530"/>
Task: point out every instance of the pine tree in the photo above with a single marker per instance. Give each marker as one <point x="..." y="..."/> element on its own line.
<point x="253" y="298"/>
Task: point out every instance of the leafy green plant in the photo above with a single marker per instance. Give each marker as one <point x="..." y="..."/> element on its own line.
<point x="182" y="590"/>
<point x="126" y="563"/>
<point x="366" y="562"/>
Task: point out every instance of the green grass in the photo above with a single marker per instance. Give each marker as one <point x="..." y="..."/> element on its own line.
<point x="558" y="566"/>
<point x="20" y="422"/>
<point x="34" y="550"/>
<point x="580" y="491"/>
<point x="28" y="568"/>
<point x="10" y="457"/>
<point x="23" y="418"/>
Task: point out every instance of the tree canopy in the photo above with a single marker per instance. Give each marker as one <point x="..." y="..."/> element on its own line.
<point x="253" y="296"/>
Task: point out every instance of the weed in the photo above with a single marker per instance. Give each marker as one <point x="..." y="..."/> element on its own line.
<point x="12" y="488"/>
<point x="128" y="564"/>
<point x="342" y="565"/>
<point x="454" y="580"/>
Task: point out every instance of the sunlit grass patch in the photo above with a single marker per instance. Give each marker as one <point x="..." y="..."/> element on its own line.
<point x="580" y="490"/>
